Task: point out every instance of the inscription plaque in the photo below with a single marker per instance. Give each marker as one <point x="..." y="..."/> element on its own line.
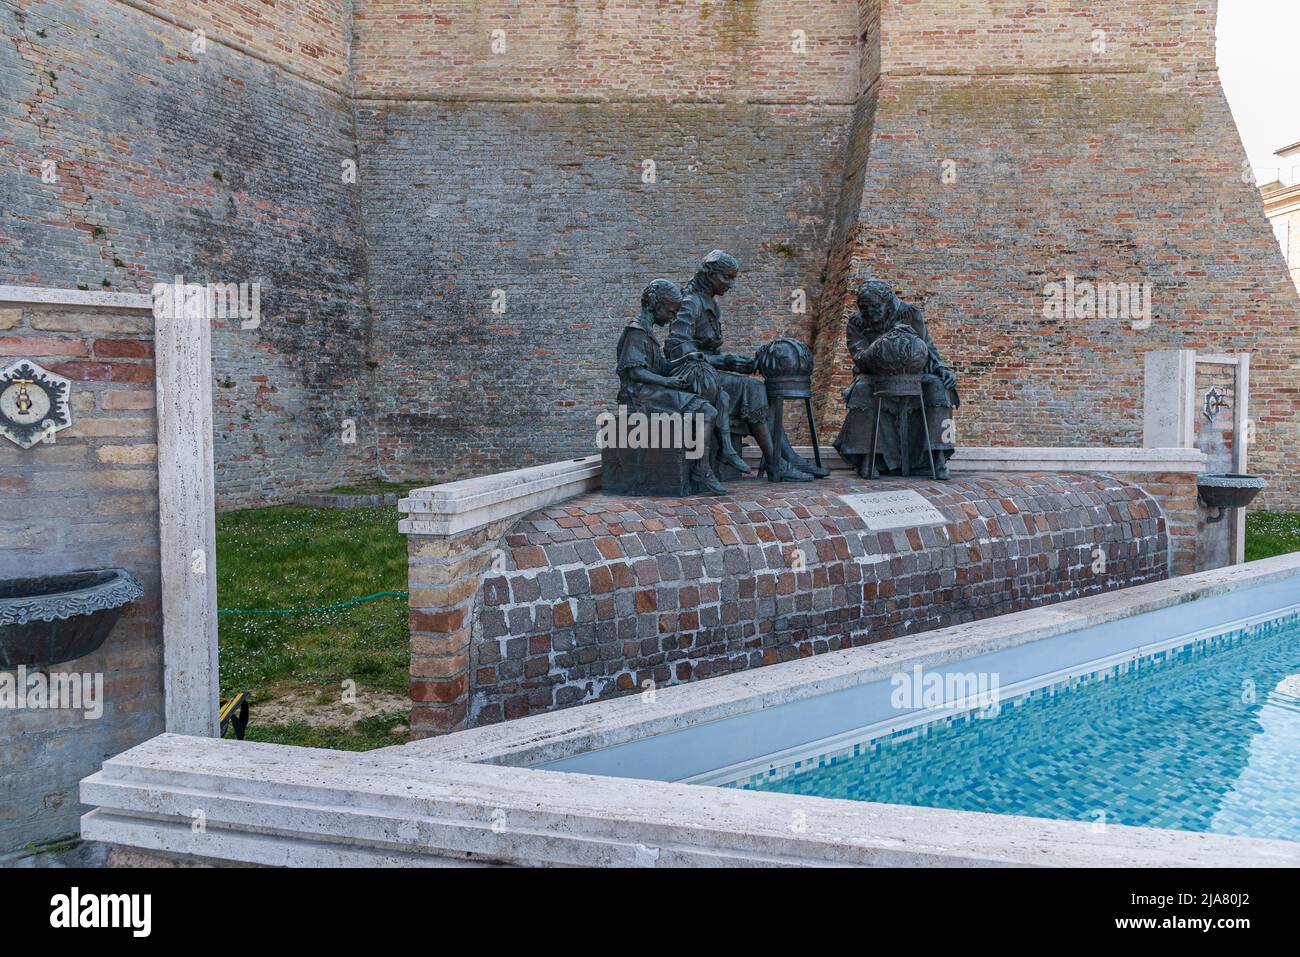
<point x="887" y="510"/>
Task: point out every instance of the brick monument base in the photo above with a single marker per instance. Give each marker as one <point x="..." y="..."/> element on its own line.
<point x="597" y="595"/>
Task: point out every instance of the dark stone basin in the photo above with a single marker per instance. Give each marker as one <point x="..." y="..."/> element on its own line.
<point x="57" y="618"/>
<point x="1229" y="490"/>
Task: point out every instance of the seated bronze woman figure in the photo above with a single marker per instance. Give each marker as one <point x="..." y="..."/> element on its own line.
<point x="648" y="383"/>
<point x="695" y="337"/>
<point x="879" y="312"/>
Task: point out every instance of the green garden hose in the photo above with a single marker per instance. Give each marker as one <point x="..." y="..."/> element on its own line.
<point x="307" y="611"/>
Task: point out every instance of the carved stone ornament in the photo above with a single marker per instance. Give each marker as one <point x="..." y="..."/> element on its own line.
<point x="60" y="597"/>
<point x="33" y="403"/>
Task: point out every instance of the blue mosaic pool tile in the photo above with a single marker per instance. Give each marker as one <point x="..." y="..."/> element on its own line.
<point x="1170" y="740"/>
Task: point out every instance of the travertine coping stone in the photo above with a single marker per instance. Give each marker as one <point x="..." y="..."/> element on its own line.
<point x="53" y="296"/>
<point x="270" y="804"/>
<point x="1110" y="460"/>
<point x="426" y="804"/>
<point x="187" y="519"/>
<point x="446" y="510"/>
<point x="1040" y="459"/>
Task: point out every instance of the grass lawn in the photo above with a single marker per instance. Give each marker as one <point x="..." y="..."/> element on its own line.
<point x="1271" y="533"/>
<point x="295" y="666"/>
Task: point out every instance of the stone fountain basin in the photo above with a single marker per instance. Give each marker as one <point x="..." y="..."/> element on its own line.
<point x="1229" y="490"/>
<point x="56" y="618"/>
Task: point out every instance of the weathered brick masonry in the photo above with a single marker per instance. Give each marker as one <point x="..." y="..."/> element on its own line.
<point x="615" y="50"/>
<point x="1184" y="519"/>
<point x="971" y="152"/>
<point x="446" y="577"/>
<point x="88" y="500"/>
<point x="595" y="596"/>
<point x="523" y="171"/>
<point x="217" y="165"/>
<point x="1092" y="140"/>
<point x="545" y="203"/>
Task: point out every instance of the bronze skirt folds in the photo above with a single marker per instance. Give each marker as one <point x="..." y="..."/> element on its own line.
<point x="746" y="397"/>
<point x="703" y="379"/>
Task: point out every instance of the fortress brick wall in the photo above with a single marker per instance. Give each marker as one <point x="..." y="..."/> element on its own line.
<point x="519" y="171"/>
<point x="461" y="300"/>
<point x="219" y="165"/>
<point x="1007" y="151"/>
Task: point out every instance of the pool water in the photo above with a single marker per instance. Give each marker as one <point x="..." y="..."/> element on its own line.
<point x="1201" y="737"/>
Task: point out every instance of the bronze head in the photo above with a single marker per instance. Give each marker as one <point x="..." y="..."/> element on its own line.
<point x="661" y="301"/>
<point x="718" y="272"/>
<point x="877" y="303"/>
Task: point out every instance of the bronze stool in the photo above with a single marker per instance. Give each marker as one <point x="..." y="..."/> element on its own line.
<point x="786" y="366"/>
<point x="900" y="387"/>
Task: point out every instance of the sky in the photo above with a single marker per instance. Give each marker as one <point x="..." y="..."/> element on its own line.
<point x="1259" y="63"/>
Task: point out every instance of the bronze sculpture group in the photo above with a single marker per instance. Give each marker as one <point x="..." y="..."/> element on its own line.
<point x="899" y="375"/>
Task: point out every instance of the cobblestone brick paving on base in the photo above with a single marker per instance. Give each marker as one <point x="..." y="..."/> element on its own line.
<point x="601" y="594"/>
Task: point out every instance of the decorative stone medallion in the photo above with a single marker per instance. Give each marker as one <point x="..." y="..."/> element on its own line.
<point x="902" y="509"/>
<point x="33" y="403"/>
